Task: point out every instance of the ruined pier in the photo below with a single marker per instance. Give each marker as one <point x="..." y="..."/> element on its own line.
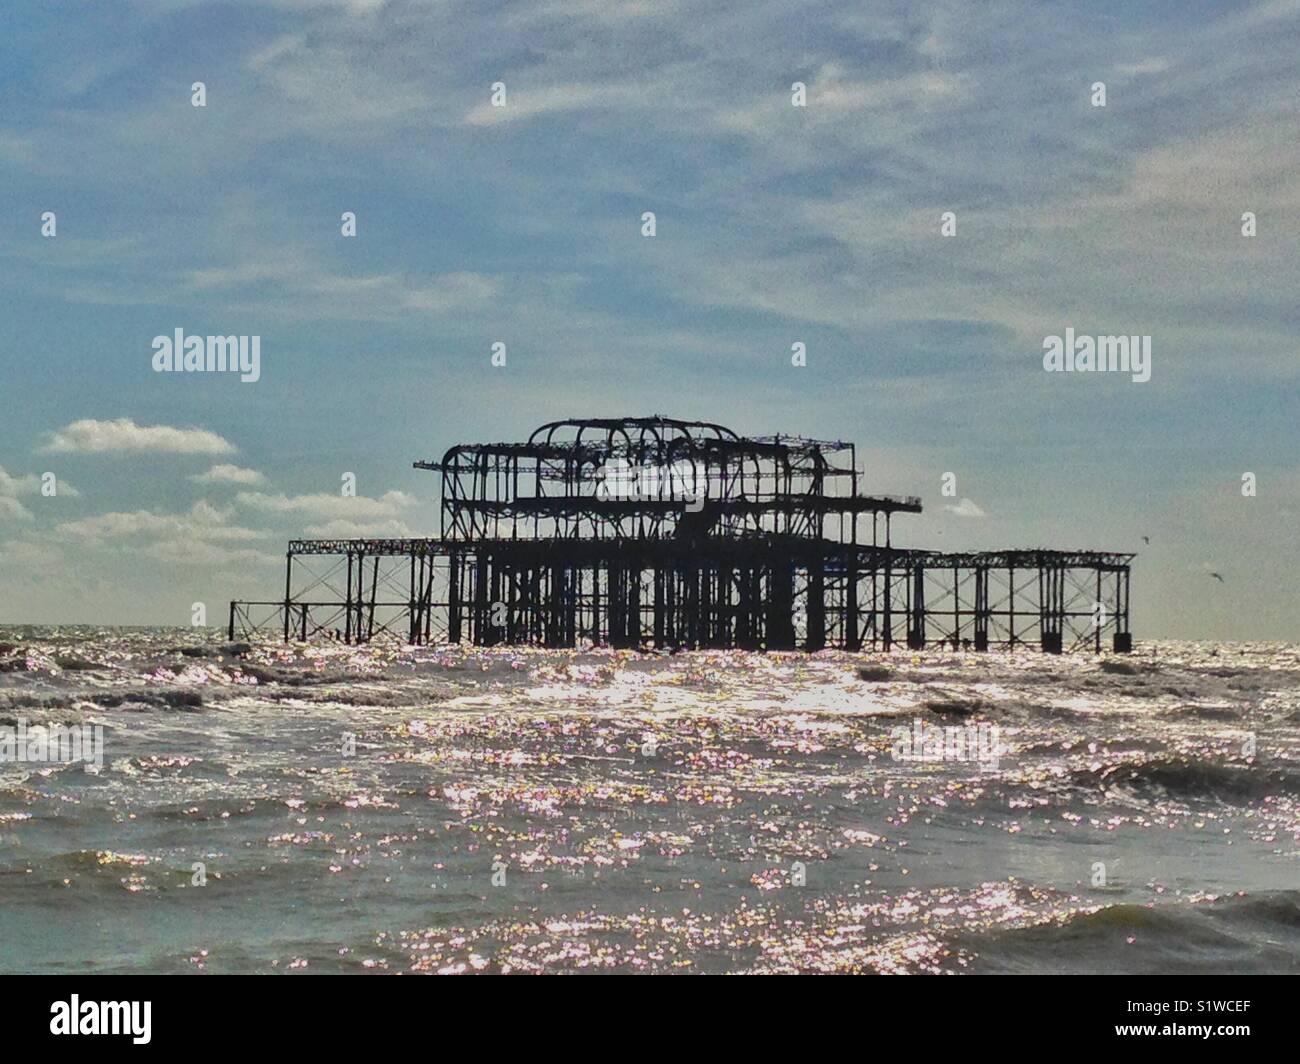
<point x="653" y="532"/>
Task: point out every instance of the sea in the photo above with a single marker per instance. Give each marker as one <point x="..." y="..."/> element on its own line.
<point x="272" y="808"/>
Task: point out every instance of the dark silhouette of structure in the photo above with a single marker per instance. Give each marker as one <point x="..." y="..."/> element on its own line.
<point x="656" y="532"/>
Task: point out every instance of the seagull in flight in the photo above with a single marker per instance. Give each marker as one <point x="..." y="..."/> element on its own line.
<point x="1146" y="540"/>
<point x="1218" y="578"/>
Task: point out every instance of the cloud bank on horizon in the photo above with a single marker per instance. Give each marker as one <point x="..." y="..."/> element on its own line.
<point x="823" y="224"/>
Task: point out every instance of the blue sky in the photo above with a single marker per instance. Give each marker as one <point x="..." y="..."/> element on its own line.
<point x="521" y="224"/>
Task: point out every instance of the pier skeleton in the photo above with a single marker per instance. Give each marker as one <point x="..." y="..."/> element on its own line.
<point x="774" y="546"/>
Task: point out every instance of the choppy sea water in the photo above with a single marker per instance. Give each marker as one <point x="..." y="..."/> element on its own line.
<point x="394" y="809"/>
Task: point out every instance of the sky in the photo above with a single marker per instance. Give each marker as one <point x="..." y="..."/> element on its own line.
<point x="522" y="224"/>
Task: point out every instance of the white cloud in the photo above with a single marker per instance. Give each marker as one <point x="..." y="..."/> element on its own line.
<point x="522" y="104"/>
<point x="230" y="474"/>
<point x="596" y="10"/>
<point x="965" y="508"/>
<point x="197" y="552"/>
<point x="277" y="49"/>
<point x="314" y="290"/>
<point x="12" y="510"/>
<point x="1153" y="65"/>
<point x="35" y="557"/>
<point x="834" y="100"/>
<point x="451" y="291"/>
<point x="341" y="529"/>
<point x="328" y="506"/>
<point x="123" y="435"/>
<point x="204" y="522"/>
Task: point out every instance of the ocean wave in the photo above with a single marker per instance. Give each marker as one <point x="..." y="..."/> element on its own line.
<point x="177" y="699"/>
<point x="1241" y="934"/>
<point x="1192" y="780"/>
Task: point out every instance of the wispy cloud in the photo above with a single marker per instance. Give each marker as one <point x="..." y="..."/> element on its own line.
<point x="12" y="510"/>
<point x="124" y="436"/>
<point x="230" y="474"/>
<point x="325" y="505"/>
<point x="341" y="529"/>
<point x="556" y="98"/>
<point x="1151" y="65"/>
<point x="965" y="508"/>
<point x="203" y="523"/>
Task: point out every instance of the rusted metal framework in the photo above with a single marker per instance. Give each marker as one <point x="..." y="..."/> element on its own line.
<point x="657" y="532"/>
